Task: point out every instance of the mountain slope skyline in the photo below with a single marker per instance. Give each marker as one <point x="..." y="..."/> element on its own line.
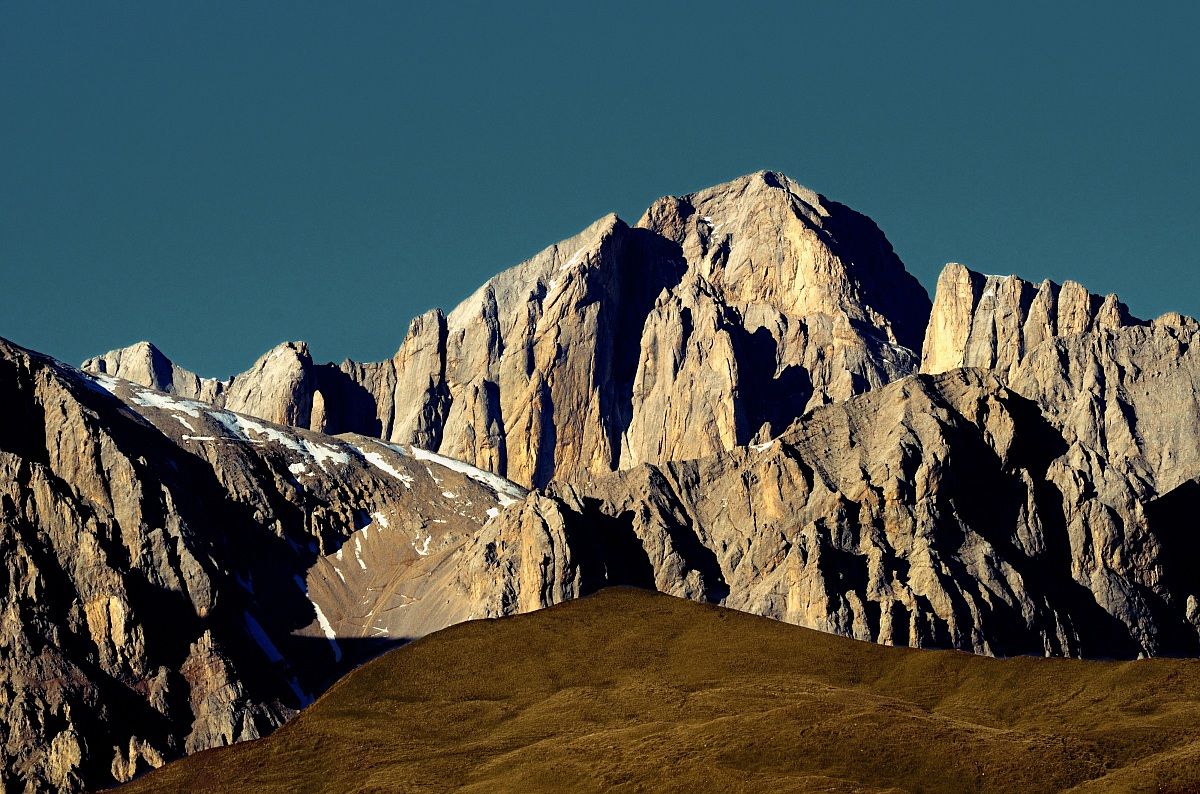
<point x="159" y="187"/>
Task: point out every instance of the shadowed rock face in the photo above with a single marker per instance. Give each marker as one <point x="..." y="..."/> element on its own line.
<point x="716" y="321"/>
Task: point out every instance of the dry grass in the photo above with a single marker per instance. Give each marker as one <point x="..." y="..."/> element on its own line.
<point x="632" y="691"/>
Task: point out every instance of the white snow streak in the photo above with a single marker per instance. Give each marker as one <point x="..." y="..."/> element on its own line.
<point x="165" y="402"/>
<point x="381" y="463"/>
<point x="106" y="382"/>
<point x="256" y="631"/>
<point x="321" y="453"/>
<point x="507" y="492"/>
<point x="574" y="260"/>
<point x="322" y="621"/>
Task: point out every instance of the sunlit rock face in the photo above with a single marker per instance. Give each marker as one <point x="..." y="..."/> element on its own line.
<point x="715" y="321"/>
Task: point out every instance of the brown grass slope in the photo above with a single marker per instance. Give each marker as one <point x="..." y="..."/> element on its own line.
<point x="633" y="691"/>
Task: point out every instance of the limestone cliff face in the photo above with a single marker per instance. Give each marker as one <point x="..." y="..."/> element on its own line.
<point x="1129" y="396"/>
<point x="994" y="321"/>
<point x="716" y="321"/>
<point x="175" y="576"/>
<point x="938" y="511"/>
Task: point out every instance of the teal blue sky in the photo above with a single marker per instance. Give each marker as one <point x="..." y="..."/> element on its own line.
<point x="218" y="177"/>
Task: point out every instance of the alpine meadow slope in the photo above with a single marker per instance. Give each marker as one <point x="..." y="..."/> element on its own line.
<point x="627" y="690"/>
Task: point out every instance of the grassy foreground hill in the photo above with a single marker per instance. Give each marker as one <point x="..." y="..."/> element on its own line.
<point x="629" y="690"/>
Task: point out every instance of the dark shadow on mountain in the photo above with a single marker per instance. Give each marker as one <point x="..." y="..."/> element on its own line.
<point x="768" y="399"/>
<point x="356" y="651"/>
<point x="349" y="407"/>
<point x="647" y="263"/>
<point x="612" y="552"/>
<point x="687" y="543"/>
<point x="885" y="285"/>
<point x="547" y="443"/>
<point x="1174" y="520"/>
<point x="23" y="430"/>
<point x="988" y="496"/>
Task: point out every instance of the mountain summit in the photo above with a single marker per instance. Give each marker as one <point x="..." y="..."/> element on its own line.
<point x="716" y="321"/>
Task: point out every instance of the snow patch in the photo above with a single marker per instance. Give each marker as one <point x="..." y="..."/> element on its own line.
<point x="322" y="621"/>
<point x="106" y="382"/>
<point x="255" y="630"/>
<point x="380" y="519"/>
<point x="507" y="492"/>
<point x="321" y="453"/>
<point x="381" y="463"/>
<point x="572" y="262"/>
<point x="241" y="427"/>
<point x="298" y="468"/>
<point x="762" y="447"/>
<point x="165" y="402"/>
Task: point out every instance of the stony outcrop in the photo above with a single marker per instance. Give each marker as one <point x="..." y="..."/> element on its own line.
<point x="715" y="321"/>
<point x="994" y="321"/>
<point x="1129" y="396"/>
<point x="720" y="402"/>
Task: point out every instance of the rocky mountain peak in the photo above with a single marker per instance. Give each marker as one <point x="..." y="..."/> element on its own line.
<point x="721" y="402"/>
<point x="729" y="311"/>
<point x="145" y="364"/>
<point x="766" y="239"/>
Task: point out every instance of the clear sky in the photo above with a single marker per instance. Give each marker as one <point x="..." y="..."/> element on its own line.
<point x="220" y="176"/>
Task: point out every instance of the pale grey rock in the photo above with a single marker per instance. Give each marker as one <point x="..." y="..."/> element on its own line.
<point x="731" y="310"/>
<point x="994" y="321"/>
